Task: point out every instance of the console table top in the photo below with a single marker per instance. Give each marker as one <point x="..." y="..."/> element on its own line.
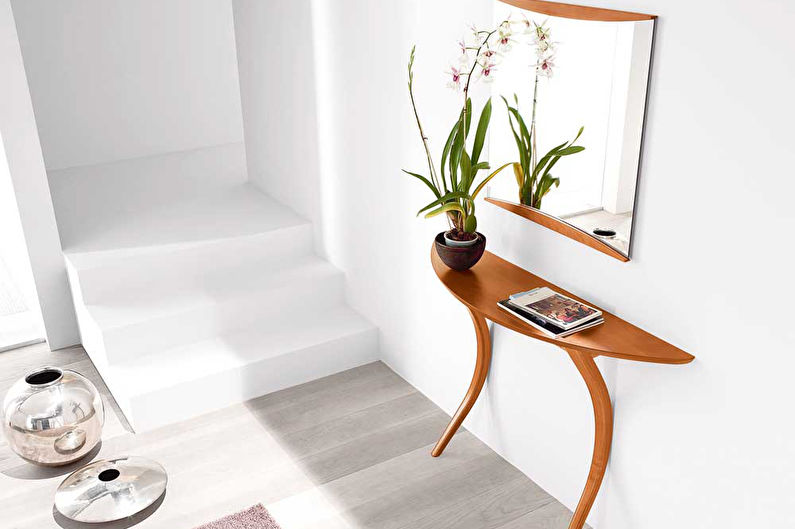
<point x="493" y="279"/>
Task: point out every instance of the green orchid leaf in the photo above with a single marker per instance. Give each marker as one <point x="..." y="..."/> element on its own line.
<point x="450" y="206"/>
<point x="550" y="165"/>
<point x="469" y="117"/>
<point x="524" y="157"/>
<point x="455" y="154"/>
<point x="519" y="174"/>
<point x="466" y="172"/>
<point x="544" y="185"/>
<point x="579" y="133"/>
<point x="471" y="224"/>
<point x="446" y="152"/>
<point x="480" y="134"/>
<point x="574" y="149"/>
<point x="453" y="195"/>
<point x="425" y="181"/>
<point x="488" y="178"/>
<point x="522" y="127"/>
<point x="543" y="161"/>
<point x="519" y="143"/>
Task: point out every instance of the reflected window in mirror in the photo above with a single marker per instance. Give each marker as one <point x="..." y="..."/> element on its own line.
<point x="569" y="103"/>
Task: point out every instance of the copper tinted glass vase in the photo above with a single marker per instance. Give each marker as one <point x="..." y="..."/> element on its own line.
<point x="53" y="416"/>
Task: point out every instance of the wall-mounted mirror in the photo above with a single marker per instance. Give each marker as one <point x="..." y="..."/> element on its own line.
<point x="571" y="69"/>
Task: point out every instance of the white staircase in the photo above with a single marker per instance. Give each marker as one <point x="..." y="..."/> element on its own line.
<point x="208" y="295"/>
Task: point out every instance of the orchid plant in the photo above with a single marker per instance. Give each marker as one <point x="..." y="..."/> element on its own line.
<point x="533" y="175"/>
<point x="452" y="186"/>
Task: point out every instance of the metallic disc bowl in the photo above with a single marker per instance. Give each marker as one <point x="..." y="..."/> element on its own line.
<point x="53" y="416"/>
<point x="111" y="489"/>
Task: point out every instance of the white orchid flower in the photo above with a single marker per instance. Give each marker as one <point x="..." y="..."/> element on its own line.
<point x="486" y="69"/>
<point x="526" y="25"/>
<point x="545" y="66"/>
<point x="543" y="47"/>
<point x="489" y="55"/>
<point x="542" y="34"/>
<point x="504" y="36"/>
<point x="463" y="57"/>
<point x="454" y="80"/>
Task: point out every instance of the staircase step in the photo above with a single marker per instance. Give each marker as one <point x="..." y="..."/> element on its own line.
<point x="109" y="275"/>
<point x="194" y="290"/>
<point x="231" y="212"/>
<point x="181" y="382"/>
<point x="136" y="322"/>
<point x="114" y="204"/>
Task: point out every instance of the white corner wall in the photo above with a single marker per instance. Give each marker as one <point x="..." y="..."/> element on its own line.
<point x="115" y="79"/>
<point x="25" y="182"/>
<point x="14" y="250"/>
<point x="277" y="86"/>
<point x="703" y="445"/>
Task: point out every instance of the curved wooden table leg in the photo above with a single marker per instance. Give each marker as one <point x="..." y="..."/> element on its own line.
<point x="603" y="435"/>
<point x="478" y="379"/>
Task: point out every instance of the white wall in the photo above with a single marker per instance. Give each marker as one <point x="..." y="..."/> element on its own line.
<point x="13" y="250"/>
<point x="277" y="85"/>
<point x="114" y="79"/>
<point x="26" y="181"/>
<point x="703" y="445"/>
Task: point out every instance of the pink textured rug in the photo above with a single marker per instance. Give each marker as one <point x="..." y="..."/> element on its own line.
<point x="255" y="517"/>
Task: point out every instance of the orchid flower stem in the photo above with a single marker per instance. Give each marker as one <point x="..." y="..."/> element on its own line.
<point x="485" y="42"/>
<point x="466" y="96"/>
<point x="431" y="166"/>
<point x="533" y="122"/>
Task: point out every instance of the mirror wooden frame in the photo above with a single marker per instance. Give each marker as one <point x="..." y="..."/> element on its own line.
<point x="557" y="9"/>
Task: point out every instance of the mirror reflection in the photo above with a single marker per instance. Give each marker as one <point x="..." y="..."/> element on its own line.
<point x="569" y="104"/>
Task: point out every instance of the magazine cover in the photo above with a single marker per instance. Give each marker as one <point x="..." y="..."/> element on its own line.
<point x="556" y="308"/>
<point x="543" y="325"/>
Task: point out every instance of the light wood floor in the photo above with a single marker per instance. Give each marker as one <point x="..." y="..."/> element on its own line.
<point x="347" y="451"/>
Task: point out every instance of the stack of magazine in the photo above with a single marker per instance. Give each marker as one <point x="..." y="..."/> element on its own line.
<point x="551" y="313"/>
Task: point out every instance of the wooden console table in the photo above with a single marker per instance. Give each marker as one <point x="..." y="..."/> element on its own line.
<point x="494" y="279"/>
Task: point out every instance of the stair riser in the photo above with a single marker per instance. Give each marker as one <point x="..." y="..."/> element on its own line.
<point x="90" y="333"/>
<point x="186" y="267"/>
<point x="176" y="403"/>
<point x="260" y="308"/>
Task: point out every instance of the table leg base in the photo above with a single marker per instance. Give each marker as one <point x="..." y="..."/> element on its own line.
<point x="478" y="379"/>
<point x="603" y="434"/>
<point x="603" y="413"/>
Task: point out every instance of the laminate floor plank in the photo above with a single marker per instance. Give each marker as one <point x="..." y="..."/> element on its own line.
<point x="383" y="479"/>
<point x="348" y="451"/>
<point x="374" y="448"/>
<point x="330" y="434"/>
<point x="492" y="508"/>
<point x="553" y="515"/>
<point x="419" y="499"/>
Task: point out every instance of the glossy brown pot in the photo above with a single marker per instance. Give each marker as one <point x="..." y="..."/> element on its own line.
<point x="462" y="257"/>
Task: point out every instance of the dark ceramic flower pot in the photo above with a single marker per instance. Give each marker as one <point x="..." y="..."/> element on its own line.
<point x="461" y="257"/>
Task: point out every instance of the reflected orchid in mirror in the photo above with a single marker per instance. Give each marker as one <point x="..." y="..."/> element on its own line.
<point x="505" y="35"/>
<point x="527" y="26"/>
<point x="533" y="175"/>
<point x="542" y="38"/>
<point x="545" y="66"/>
